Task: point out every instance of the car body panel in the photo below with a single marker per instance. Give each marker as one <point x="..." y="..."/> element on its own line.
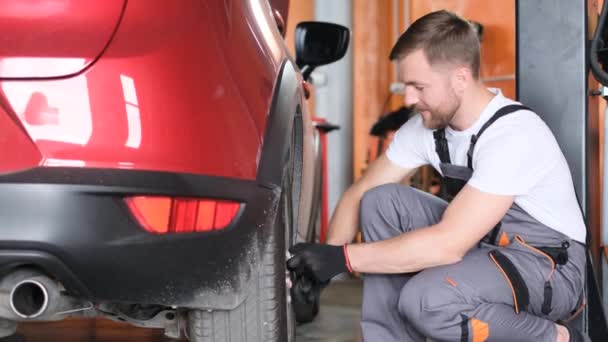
<point x="73" y="223"/>
<point x="191" y="99"/>
<point x="44" y="39"/>
<point x="169" y="62"/>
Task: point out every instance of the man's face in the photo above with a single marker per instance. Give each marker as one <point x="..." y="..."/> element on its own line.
<point x="428" y="89"/>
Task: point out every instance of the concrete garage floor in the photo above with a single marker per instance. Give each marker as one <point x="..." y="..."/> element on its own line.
<point x="339" y="314"/>
<point x="338" y="321"/>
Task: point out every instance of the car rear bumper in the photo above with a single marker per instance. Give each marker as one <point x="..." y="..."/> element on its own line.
<point x="73" y="224"/>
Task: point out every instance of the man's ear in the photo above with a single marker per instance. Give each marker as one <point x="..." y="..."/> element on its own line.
<point x="461" y="78"/>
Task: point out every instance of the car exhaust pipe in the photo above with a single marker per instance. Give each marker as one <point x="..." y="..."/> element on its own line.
<point x="29" y="299"/>
<point x="30" y="295"/>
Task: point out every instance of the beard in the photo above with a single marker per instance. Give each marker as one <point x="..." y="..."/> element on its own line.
<point x="440" y="116"/>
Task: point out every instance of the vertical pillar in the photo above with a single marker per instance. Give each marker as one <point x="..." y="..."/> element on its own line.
<point x="552" y="78"/>
<point x="552" y="75"/>
<point x="334" y="102"/>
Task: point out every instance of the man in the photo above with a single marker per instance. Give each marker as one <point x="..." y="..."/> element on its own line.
<point x="505" y="259"/>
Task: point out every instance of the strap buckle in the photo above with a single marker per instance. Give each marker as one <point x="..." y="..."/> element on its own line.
<point x="558" y="254"/>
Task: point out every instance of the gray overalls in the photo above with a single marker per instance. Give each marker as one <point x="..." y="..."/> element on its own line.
<point x="519" y="280"/>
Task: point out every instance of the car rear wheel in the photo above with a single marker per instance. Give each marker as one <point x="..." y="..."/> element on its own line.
<point x="264" y="315"/>
<point x="305" y="296"/>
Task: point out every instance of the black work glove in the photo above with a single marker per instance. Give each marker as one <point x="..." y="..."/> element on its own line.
<point x="305" y="297"/>
<point x="316" y="261"/>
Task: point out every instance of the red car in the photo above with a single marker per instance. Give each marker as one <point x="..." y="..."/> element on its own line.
<point x="158" y="158"/>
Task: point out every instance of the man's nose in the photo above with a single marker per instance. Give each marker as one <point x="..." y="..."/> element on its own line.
<point x="410" y="96"/>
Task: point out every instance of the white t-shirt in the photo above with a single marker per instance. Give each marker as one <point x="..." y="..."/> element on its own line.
<point x="517" y="155"/>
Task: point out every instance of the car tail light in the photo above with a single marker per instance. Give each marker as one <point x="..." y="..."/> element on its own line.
<point x="164" y="215"/>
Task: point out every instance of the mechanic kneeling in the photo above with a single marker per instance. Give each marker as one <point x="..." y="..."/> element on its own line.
<point x="505" y="259"/>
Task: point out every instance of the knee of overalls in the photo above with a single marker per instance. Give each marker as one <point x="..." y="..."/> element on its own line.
<point x="431" y="305"/>
<point x="378" y="205"/>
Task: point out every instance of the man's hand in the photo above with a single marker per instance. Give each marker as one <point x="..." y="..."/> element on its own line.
<point x="317" y="261"/>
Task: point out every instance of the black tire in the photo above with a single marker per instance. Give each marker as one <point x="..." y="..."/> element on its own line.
<point x="314" y="223"/>
<point x="263" y="315"/>
<point x="305" y="296"/>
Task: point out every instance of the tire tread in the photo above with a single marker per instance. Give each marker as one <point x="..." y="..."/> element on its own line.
<point x="243" y="323"/>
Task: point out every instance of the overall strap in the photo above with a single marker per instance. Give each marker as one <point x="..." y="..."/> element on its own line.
<point x="493" y="235"/>
<point x="441" y="146"/>
<point x="499" y="114"/>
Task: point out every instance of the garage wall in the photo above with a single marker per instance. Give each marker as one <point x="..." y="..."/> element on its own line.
<point x="299" y="10"/>
<point x="374" y="33"/>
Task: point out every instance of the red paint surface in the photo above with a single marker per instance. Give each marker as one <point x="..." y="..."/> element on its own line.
<point x="183" y="86"/>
